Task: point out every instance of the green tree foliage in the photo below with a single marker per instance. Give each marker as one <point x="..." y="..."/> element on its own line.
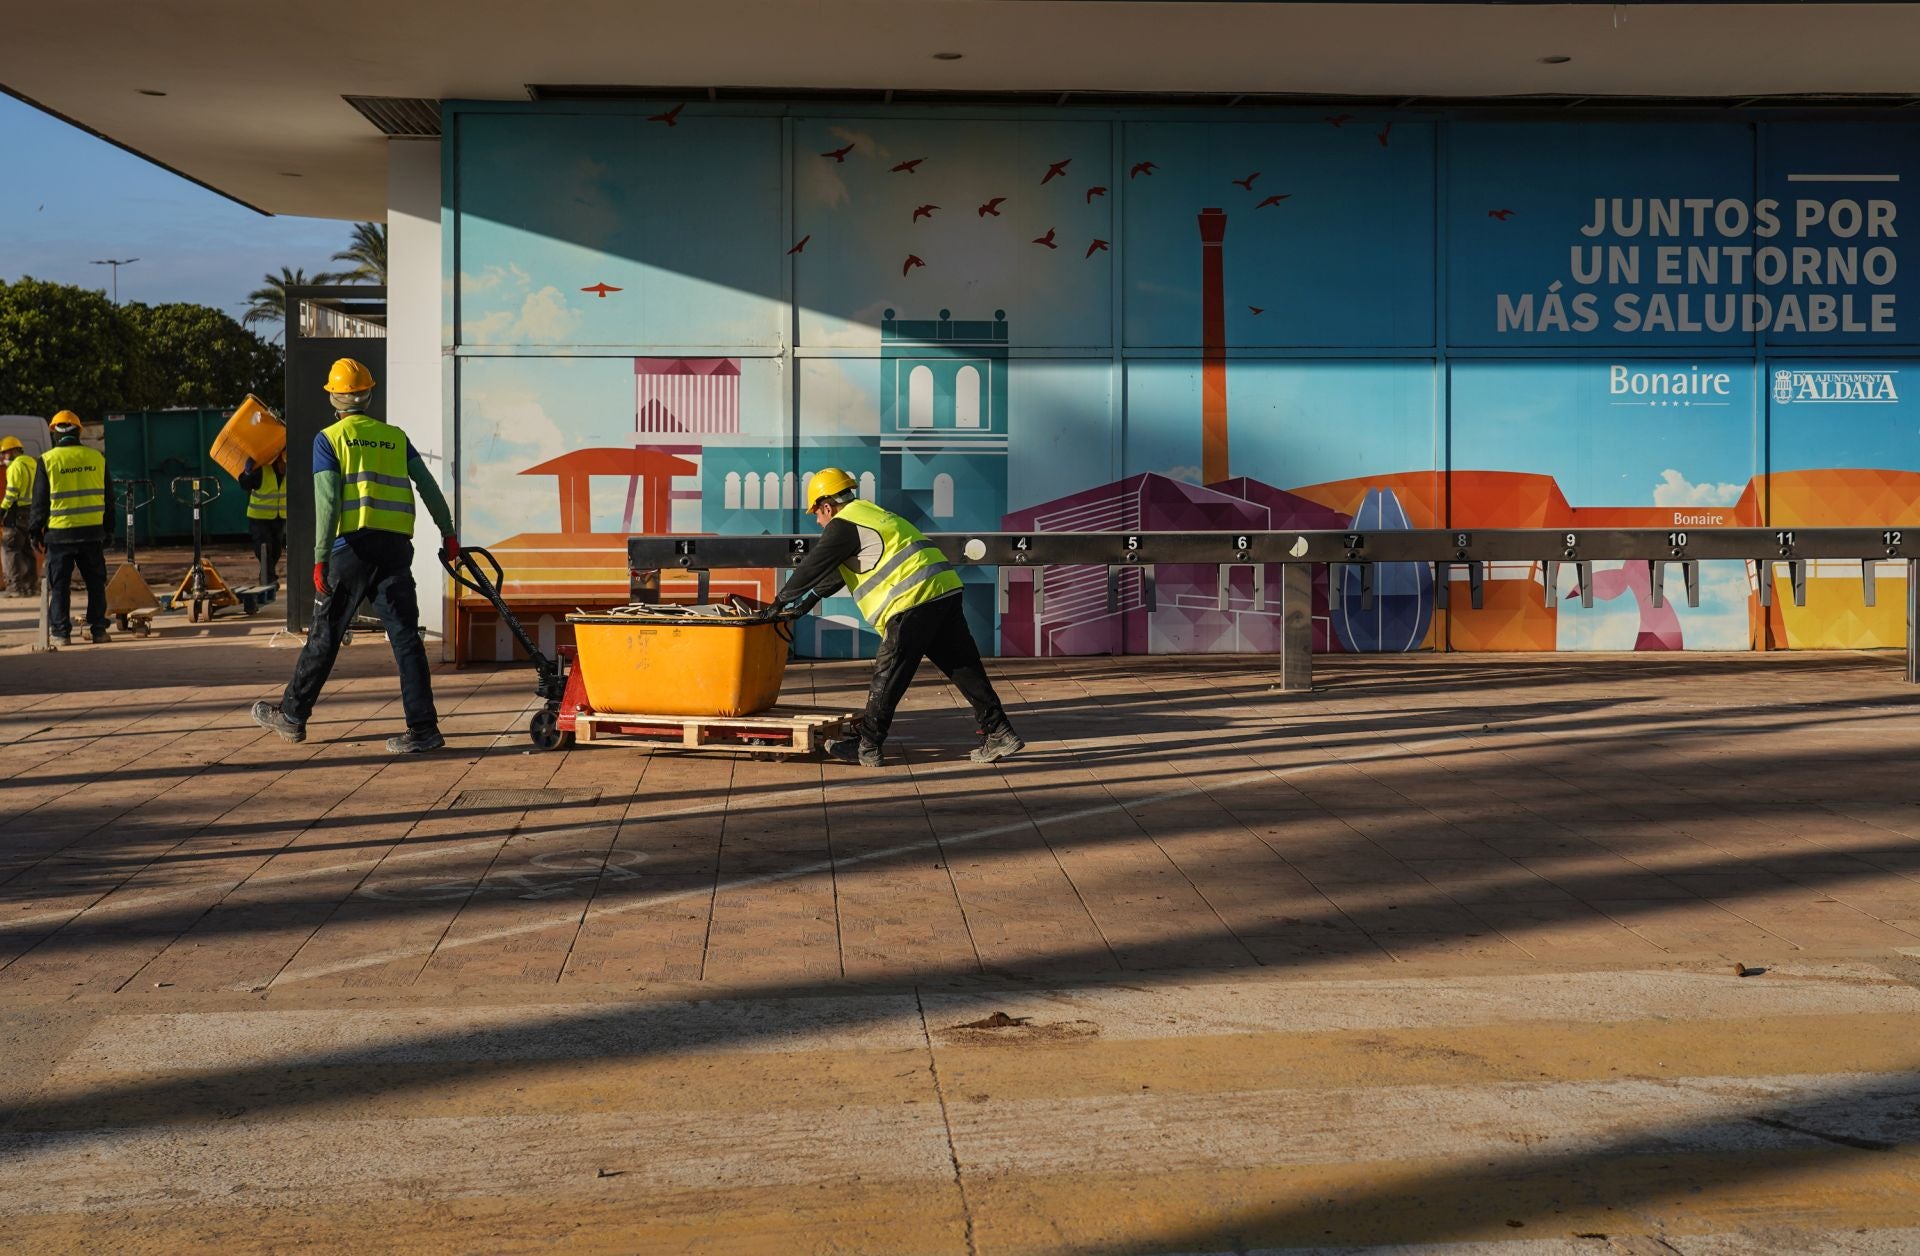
<point x="69" y="348"/>
<point x="64" y="348"/>
<point x="270" y="299"/>
<point x="197" y="356"/>
<point x="367" y="252"/>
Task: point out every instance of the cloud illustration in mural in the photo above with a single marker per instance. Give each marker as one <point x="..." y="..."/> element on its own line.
<point x="506" y="431"/>
<point x="1186" y="475"/>
<point x="542" y="318"/>
<point x="1675" y="489"/>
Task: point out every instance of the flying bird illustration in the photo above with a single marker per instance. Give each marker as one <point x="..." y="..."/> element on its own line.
<point x="923" y="211"/>
<point x="910" y="263"/>
<point x="1275" y="199"/>
<point x="1047" y="239"/>
<point x="1382" y="134"/>
<point x="1247" y="182"/>
<point x="1057" y="170"/>
<point x="800" y="246"/>
<point x="670" y="116"/>
<point x="906" y="167"/>
<point x="1501" y="214"/>
<point x="1258" y="310"/>
<point x="1142" y="167"/>
<point x="992" y="207"/>
<point x="602" y="289"/>
<point x="1338" y="119"/>
<point x="1095" y="247"/>
<point x="838" y="154"/>
<point x="1093" y="192"/>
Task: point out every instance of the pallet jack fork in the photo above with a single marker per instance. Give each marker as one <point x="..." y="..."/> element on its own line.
<point x="131" y="602"/>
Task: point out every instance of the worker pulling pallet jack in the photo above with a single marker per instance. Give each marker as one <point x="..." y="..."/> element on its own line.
<point x="70" y="523"/>
<point x="909" y="592"/>
<point x="365" y="474"/>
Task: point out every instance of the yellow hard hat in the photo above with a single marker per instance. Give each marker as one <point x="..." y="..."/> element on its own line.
<point x="826" y="484"/>
<point x="348" y="376"/>
<point x="66" y="418"/>
<point x="10" y="443"/>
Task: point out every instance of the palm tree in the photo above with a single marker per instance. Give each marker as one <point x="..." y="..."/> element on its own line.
<point x="368" y="253"/>
<point x="268" y="303"/>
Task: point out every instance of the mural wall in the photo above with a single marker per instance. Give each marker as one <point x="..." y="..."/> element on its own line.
<point x="666" y="318"/>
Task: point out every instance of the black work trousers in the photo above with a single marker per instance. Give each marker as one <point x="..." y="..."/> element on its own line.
<point x="90" y="559"/>
<point x="269" y="538"/>
<point x="936" y="631"/>
<point x="377" y="567"/>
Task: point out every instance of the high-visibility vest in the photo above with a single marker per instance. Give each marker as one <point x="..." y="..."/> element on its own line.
<point x="76" y="487"/>
<point x="269" y="501"/>
<point x="21" y="473"/>
<point x="908" y="571"/>
<point x="375" y="492"/>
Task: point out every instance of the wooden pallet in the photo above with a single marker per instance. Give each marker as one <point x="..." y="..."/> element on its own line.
<point x="781" y="730"/>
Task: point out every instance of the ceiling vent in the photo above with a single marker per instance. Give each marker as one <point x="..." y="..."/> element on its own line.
<point x="404" y="117"/>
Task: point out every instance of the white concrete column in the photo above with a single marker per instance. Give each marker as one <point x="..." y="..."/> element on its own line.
<point x="415" y="399"/>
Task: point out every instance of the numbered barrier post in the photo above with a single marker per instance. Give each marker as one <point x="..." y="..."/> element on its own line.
<point x="1913" y="621"/>
<point x="1296" y="627"/>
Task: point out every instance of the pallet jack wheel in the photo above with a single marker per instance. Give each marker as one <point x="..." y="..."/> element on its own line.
<point x="545" y="730"/>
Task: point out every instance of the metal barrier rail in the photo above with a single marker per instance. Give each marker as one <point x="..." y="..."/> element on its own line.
<point x="1579" y="548"/>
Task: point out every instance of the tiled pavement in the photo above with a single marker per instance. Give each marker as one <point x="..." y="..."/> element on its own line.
<point x="1442" y="951"/>
<point x="1168" y="814"/>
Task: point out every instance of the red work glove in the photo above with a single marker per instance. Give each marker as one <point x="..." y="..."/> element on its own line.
<point x="320" y="580"/>
<point x="450" y="548"/>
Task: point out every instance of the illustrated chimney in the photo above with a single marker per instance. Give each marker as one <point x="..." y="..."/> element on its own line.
<point x="1213" y="348"/>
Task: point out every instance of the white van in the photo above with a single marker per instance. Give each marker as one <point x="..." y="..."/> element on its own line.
<point x="32" y="432"/>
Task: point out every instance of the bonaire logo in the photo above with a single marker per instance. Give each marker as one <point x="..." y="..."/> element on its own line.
<point x="1835" y="387"/>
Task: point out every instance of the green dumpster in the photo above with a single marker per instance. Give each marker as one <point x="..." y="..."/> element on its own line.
<point x="160" y="445"/>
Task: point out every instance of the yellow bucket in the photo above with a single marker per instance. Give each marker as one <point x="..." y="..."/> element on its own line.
<point x="666" y="665"/>
<point x="253" y="432"/>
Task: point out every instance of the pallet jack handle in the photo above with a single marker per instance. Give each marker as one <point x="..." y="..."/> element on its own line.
<point x="201" y="489"/>
<point x="133" y="494"/>
<point x="467" y="572"/>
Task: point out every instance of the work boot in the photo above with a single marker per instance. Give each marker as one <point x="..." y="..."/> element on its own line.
<point x="98" y="636"/>
<point x="274" y="720"/>
<point x="411" y="742"/>
<point x="854" y="751"/>
<point x="998" y="746"/>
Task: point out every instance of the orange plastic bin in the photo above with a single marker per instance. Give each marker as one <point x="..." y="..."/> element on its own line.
<point x="673" y="665"/>
<point x="254" y="432"/>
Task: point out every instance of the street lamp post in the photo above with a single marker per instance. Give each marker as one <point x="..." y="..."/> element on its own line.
<point x="116" y="263"/>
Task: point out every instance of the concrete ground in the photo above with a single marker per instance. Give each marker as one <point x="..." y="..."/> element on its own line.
<point x="1441" y="955"/>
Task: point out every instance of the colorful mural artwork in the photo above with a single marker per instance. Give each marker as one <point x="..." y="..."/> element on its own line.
<point x="1069" y="321"/>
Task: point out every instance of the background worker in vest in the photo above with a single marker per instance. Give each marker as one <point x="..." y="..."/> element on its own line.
<point x="70" y="499"/>
<point x="16" y="518"/>
<point x="267" y="513"/>
<point x="365" y="473"/>
<point x="909" y="592"/>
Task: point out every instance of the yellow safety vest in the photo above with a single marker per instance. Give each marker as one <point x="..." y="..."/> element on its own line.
<point x="21" y="473"/>
<point x="375" y="492"/>
<point x="909" y="571"/>
<point x="269" y="501"/>
<point x="76" y="487"/>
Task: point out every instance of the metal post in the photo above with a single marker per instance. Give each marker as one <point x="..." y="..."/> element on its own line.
<point x="1296" y="627"/>
<point x="1913" y="621"/>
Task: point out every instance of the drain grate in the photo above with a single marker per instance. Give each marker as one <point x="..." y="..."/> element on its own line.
<point x="521" y="799"/>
